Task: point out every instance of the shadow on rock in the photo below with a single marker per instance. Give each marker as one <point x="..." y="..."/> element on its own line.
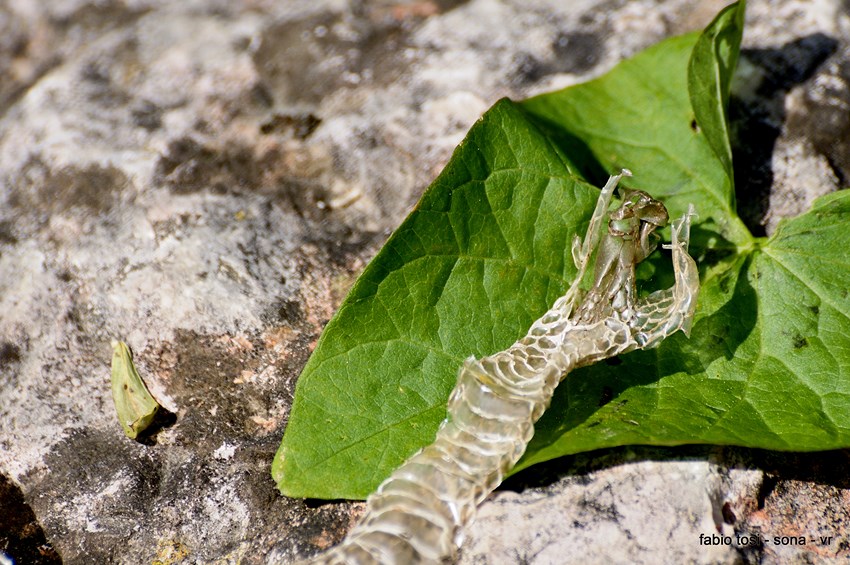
<point x="757" y="116"/>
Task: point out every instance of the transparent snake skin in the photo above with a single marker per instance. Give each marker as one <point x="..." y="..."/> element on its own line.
<point x="419" y="513"/>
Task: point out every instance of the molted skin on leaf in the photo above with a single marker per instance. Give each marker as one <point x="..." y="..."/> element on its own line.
<point x="419" y="513"/>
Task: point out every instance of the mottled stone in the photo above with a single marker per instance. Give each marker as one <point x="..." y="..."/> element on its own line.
<point x="206" y="178"/>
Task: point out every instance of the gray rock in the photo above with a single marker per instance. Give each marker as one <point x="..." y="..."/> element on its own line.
<point x="205" y="180"/>
<point x="632" y="510"/>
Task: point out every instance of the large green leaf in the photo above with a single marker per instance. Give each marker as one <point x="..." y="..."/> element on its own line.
<point x="486" y="251"/>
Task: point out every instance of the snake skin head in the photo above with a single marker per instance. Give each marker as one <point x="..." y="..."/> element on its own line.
<point x="637" y="218"/>
<point x="640" y="205"/>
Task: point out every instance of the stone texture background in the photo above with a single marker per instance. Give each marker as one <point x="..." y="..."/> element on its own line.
<point x="205" y="179"/>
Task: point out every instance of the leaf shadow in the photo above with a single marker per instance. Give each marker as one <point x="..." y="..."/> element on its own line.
<point x="722" y="332"/>
<point x="825" y="468"/>
<point x="22" y="536"/>
<point x="783" y="471"/>
<point x="163" y="419"/>
<point x="707" y="246"/>
<point x="757" y="116"/>
<point x="582" y="465"/>
<point x="581" y="156"/>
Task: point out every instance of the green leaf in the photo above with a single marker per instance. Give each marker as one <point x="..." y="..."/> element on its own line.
<point x="487" y="250"/>
<point x="712" y="63"/>
<point x="134" y="404"/>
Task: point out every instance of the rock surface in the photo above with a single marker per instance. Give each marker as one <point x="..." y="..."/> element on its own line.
<point x="205" y="179"/>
